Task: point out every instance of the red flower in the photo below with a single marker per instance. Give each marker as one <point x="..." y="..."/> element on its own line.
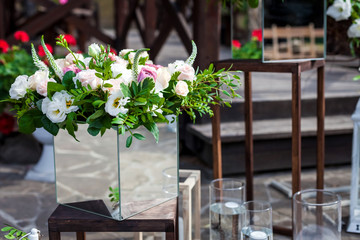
<point x="21" y="36"/>
<point x="41" y="51"/>
<point x="4" y="46"/>
<point x="70" y="39"/>
<point x="257" y="34"/>
<point x="113" y="51"/>
<point x="236" y="43"/>
<point x="7" y="123"/>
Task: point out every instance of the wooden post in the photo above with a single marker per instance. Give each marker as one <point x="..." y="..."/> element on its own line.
<point x="121" y="11"/>
<point x="320" y="127"/>
<point x="150" y="22"/>
<point x="249" y="145"/>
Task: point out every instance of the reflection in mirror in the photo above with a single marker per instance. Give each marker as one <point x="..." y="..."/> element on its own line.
<point x="293" y="29"/>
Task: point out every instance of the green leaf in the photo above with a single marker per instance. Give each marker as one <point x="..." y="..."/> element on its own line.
<point x="69" y="124"/>
<point x="129" y="141"/>
<point x="98" y="103"/>
<point x="152" y="127"/>
<point x="95" y="115"/>
<point x="139" y="136"/>
<point x="53" y="87"/>
<point x="356" y="78"/>
<point x="107" y="85"/>
<point x="125" y="90"/>
<point x="93" y="131"/>
<point x="49" y="126"/>
<point x="67" y="80"/>
<point x="29" y="121"/>
<point x="9" y="236"/>
<point x="7" y="228"/>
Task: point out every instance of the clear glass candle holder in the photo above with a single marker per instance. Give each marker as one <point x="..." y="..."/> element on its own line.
<point x="257" y="223"/>
<point x="226" y="198"/>
<point x="316" y="215"/>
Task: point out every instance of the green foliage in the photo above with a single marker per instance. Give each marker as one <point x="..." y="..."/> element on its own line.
<point x="250" y="50"/>
<point x="13" y="233"/>
<point x="114" y="195"/>
<point x="12" y="64"/>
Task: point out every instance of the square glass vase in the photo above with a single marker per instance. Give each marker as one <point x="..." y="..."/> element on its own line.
<point x="88" y="168"/>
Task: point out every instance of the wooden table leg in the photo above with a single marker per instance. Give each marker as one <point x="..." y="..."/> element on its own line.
<point x="320" y="127"/>
<point x="80" y="236"/>
<point x="216" y="142"/>
<point x="249" y="146"/>
<point x="54" y="235"/>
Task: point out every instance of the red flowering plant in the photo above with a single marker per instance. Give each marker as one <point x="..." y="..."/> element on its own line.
<point x="14" y="61"/>
<point x="249" y="50"/>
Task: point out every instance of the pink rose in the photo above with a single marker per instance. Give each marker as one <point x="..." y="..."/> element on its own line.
<point x="41" y="87"/>
<point x="71" y="67"/>
<point x="115" y="85"/>
<point x="88" y="77"/>
<point x="154" y="66"/>
<point x="187" y="72"/>
<point x="182" y="88"/>
<point x="147" y="72"/>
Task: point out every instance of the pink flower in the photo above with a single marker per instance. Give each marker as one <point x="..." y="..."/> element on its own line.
<point x="4" y="46"/>
<point x="236" y="43"/>
<point x="112" y="56"/>
<point x="41" y="50"/>
<point x="187" y="72"/>
<point x="88" y="77"/>
<point x="257" y="34"/>
<point x="62" y="2"/>
<point x="154" y="66"/>
<point x="41" y="87"/>
<point x="21" y="36"/>
<point x="70" y="39"/>
<point x="71" y="67"/>
<point x="147" y="72"/>
<point x="181" y="88"/>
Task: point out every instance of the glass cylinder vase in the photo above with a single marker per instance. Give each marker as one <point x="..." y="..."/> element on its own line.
<point x="101" y="175"/>
<point x="316" y="215"/>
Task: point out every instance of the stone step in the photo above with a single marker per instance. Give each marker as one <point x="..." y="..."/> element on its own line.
<point x="272" y="143"/>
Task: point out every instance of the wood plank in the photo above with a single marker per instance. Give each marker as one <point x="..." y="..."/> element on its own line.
<point x="216" y="142"/>
<point x="160" y="218"/>
<point x="320" y="128"/>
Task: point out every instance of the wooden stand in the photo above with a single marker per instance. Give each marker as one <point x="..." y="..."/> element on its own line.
<point x="162" y="218"/>
<point x="295" y="68"/>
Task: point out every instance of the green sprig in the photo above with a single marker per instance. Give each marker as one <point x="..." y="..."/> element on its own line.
<point x="51" y="59"/>
<point x="38" y="63"/>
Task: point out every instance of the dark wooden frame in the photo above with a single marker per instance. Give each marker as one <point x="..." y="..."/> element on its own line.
<point x="295" y="68"/>
<point x="161" y="218"/>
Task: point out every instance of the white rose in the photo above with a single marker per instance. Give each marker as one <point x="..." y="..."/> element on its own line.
<point x="131" y="57"/>
<point x="163" y="77"/>
<point x="125" y="51"/>
<point x="127" y="76"/>
<point x="115" y="85"/>
<point x="116" y="104"/>
<point x="94" y="50"/>
<point x="173" y="67"/>
<point x="354" y="29"/>
<point x="86" y="61"/>
<point x="118" y="68"/>
<point x="71" y="60"/>
<point x="41" y="87"/>
<point x="181" y="88"/>
<point x="340" y="10"/>
<point x="62" y="63"/>
<point x="187" y="72"/>
<point x="55" y="108"/>
<point x="88" y="77"/>
<point x="19" y="87"/>
<point x="36" y="78"/>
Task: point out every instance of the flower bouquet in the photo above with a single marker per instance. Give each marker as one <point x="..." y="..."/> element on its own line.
<point x="106" y="90"/>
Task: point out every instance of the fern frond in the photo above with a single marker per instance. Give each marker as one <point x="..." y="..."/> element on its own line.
<point x="51" y="59"/>
<point x="38" y="63"/>
<point x="192" y="57"/>
<point x="136" y="62"/>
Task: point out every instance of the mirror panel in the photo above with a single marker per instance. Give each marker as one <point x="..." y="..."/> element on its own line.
<point x="293" y="30"/>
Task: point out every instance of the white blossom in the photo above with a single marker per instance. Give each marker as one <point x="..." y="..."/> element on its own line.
<point x="19" y="87"/>
<point x="116" y="104"/>
<point x="340" y="10"/>
<point x="354" y="29"/>
<point x="54" y="109"/>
